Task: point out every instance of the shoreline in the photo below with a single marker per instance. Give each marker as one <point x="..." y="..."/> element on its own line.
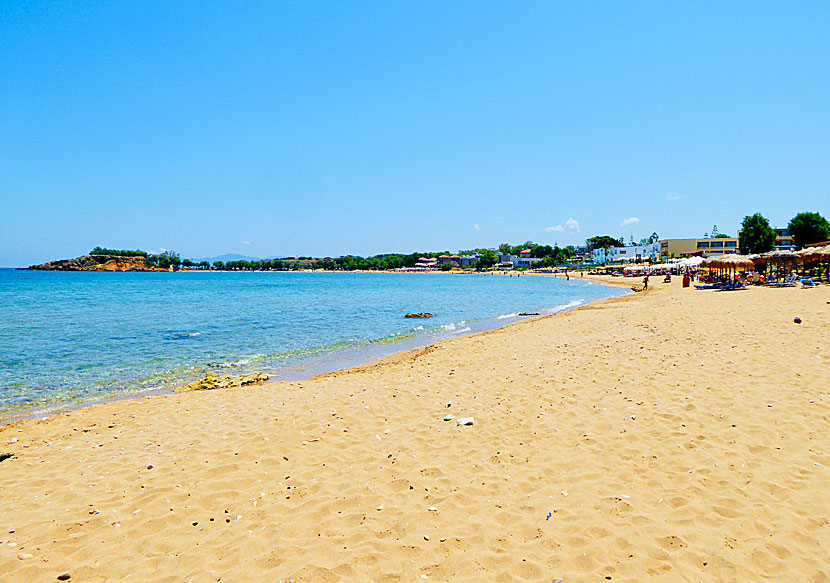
<point x="655" y="436"/>
<point x="348" y="358"/>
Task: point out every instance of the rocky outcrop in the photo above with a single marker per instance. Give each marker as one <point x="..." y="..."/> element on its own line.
<point x="213" y="381"/>
<point x="96" y="263"/>
<point x="420" y="315"/>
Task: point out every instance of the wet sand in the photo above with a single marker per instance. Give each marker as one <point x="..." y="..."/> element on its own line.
<point x="671" y="435"/>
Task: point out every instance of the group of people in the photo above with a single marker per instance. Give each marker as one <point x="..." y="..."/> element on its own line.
<point x="688" y="277"/>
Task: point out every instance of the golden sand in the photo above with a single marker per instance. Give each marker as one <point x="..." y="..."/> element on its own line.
<point x="671" y="435"/>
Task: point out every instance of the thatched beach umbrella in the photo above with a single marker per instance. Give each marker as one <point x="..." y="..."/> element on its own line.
<point x="757" y="259"/>
<point x="810" y="255"/>
<point x="781" y="257"/>
<point x="730" y="262"/>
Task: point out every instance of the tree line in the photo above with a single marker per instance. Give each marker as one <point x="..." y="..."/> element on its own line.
<point x="118" y="252"/>
<point x="757" y="236"/>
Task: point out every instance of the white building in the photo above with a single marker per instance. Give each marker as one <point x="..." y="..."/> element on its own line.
<point x="632" y="253"/>
<point x="527" y="261"/>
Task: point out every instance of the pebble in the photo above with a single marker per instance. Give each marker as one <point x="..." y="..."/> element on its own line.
<point x="426" y="537"/>
<point x="424" y="576"/>
<point x="150" y="467"/>
<point x="465" y="421"/>
<point x="630" y="417"/>
<point x="64" y="577"/>
<point x="448" y="418"/>
<point x="432" y="509"/>
<point x="24" y="556"/>
<point x="380" y="507"/>
<point x="442" y="539"/>
<point x="13" y="440"/>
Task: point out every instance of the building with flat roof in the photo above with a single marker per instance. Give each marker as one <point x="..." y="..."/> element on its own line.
<point x="631" y="253"/>
<point x="705" y="247"/>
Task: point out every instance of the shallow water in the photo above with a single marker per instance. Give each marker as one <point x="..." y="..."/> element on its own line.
<point x="74" y="337"/>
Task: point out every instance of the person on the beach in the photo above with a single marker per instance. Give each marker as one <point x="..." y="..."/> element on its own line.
<point x="645" y="282"/>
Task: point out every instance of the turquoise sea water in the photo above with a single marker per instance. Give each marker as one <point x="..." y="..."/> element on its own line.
<point x="73" y="337"/>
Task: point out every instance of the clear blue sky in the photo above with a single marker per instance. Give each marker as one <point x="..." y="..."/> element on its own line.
<point x="323" y="128"/>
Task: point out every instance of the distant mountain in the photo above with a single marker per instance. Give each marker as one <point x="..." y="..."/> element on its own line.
<point x="225" y="258"/>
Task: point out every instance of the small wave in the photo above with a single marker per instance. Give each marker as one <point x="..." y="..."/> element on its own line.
<point x="568" y="306"/>
<point x="234" y="364"/>
<point x="505" y="316"/>
<point x="448" y="327"/>
<point x="463" y="330"/>
<point x="181" y="335"/>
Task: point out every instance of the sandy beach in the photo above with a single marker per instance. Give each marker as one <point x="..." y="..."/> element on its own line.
<point x="671" y="435"/>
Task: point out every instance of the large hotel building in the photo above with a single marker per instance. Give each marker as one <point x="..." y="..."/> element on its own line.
<point x="718" y="246"/>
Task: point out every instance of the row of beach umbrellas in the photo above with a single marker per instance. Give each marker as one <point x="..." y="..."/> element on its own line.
<point x="734" y="261"/>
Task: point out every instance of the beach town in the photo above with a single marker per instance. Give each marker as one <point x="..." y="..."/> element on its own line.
<point x="674" y="434"/>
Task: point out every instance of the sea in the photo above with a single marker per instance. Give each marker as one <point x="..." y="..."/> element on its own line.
<point x="74" y="338"/>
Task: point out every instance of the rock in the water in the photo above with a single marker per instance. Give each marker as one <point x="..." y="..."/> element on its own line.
<point x="420" y="315"/>
<point x="212" y="381"/>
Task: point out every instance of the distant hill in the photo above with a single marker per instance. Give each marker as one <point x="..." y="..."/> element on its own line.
<point x="225" y="258"/>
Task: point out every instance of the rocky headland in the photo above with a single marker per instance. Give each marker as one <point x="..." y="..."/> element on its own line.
<point x="97" y="263"/>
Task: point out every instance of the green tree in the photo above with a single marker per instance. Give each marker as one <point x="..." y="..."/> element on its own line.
<point x="653" y="238"/>
<point x="487" y="259"/>
<point x="721" y="236"/>
<point x="756" y="235"/>
<point x="808" y="228"/>
<point x="603" y="241"/>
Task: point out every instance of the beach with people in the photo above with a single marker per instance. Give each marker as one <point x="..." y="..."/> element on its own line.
<point x="674" y="434"/>
<point x="304" y="292"/>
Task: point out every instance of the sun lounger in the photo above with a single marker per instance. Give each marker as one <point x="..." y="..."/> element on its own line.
<point x="733" y="287"/>
<point x="808" y="282"/>
<point x="789" y="282"/>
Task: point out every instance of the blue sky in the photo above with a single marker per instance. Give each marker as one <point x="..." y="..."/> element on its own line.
<point x="323" y="128"/>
